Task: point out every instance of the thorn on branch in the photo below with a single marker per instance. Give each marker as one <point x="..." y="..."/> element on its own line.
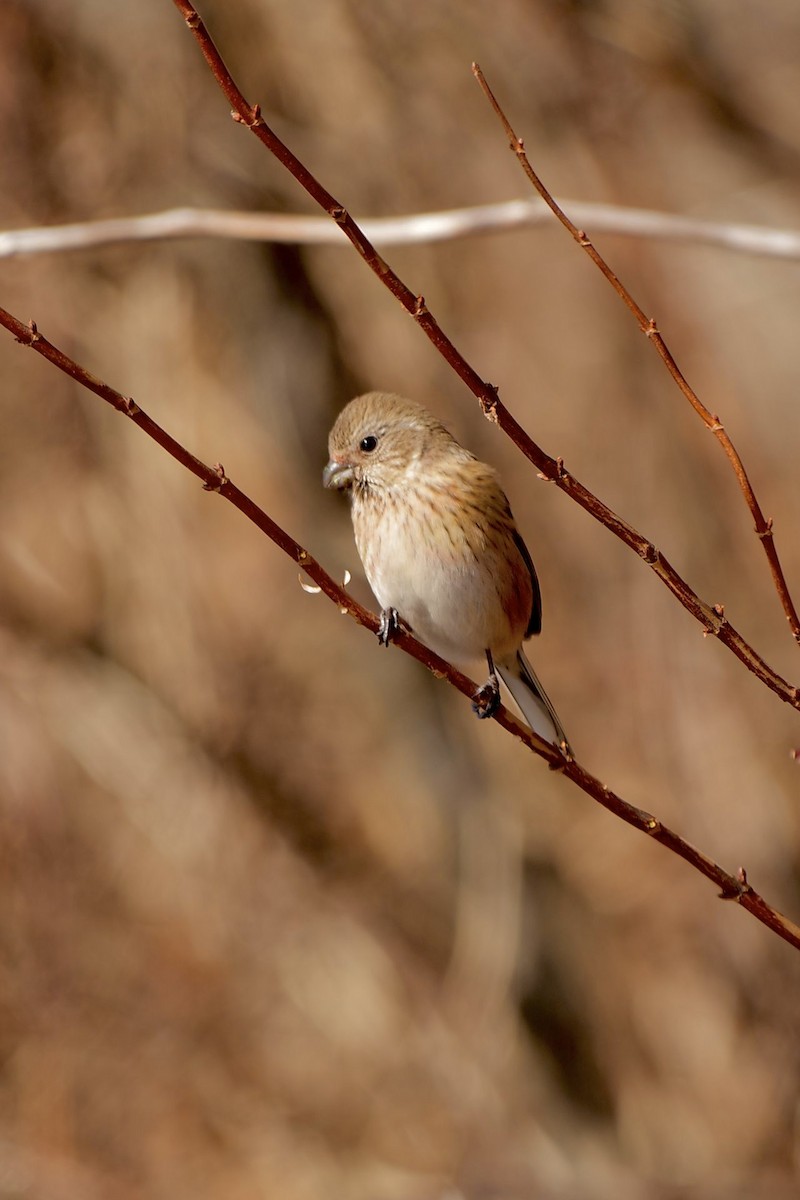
<point x="219" y="483"/>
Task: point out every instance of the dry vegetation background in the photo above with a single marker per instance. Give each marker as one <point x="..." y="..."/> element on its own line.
<point x="278" y="917"/>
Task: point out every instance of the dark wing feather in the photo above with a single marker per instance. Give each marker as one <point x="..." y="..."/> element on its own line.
<point x="535" y="622"/>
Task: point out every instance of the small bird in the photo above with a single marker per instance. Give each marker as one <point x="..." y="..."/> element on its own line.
<point x="440" y="547"/>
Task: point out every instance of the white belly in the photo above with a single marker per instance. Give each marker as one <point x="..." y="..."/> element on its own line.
<point x="451" y="597"/>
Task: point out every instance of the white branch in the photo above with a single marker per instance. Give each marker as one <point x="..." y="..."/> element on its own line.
<point x="395" y="231"/>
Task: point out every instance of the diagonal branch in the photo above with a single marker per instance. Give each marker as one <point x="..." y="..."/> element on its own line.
<point x="763" y="526"/>
<point x="712" y="619"/>
<point x="214" y="479"/>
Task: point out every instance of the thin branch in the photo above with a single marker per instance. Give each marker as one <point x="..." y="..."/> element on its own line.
<point x="410" y="229"/>
<point x="712" y="619"/>
<point x="214" y="479"/>
<point x="763" y="526"/>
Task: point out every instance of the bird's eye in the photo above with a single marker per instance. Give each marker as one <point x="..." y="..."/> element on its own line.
<point x="368" y="444"/>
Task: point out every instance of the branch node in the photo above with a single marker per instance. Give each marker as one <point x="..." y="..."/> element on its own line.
<point x="253" y="118"/>
<point x="219" y="483"/>
<point x="420" y="308"/>
<point x="715" y="627"/>
<point x="31" y="338"/>
<point x="652" y="330"/>
<point x="583" y="238"/>
<point x="489" y="403"/>
<point x="338" y="213"/>
<point x="130" y="408"/>
<point x="766" y="532"/>
<point x="192" y="19"/>
<point x="649" y="553"/>
<point x="736" y="888"/>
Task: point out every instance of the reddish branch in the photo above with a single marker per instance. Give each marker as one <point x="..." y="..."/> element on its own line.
<point x="214" y="479"/>
<point x="763" y="526"/>
<point x="711" y="618"/>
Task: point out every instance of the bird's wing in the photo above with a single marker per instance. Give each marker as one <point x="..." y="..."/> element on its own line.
<point x="535" y="622"/>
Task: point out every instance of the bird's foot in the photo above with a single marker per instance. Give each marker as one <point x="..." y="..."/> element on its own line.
<point x="390" y="623"/>
<point x="486" y="701"/>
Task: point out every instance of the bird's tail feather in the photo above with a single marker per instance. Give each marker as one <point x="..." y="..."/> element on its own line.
<point x="520" y="679"/>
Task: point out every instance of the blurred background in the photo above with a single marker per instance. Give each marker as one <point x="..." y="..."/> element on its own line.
<point x="278" y="917"/>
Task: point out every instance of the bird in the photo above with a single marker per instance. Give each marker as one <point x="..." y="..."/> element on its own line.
<point x="440" y="547"/>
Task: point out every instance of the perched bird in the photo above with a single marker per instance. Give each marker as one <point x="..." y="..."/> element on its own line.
<point x="440" y="547"/>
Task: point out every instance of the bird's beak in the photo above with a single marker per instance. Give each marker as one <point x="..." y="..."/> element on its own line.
<point x="337" y="475"/>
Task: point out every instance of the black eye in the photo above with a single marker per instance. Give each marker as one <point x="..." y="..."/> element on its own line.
<point x="368" y="444"/>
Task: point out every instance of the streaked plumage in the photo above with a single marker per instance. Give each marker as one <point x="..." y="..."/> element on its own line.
<point x="439" y="545"/>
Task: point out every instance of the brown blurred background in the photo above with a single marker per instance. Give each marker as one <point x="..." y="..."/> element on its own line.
<point x="278" y="917"/>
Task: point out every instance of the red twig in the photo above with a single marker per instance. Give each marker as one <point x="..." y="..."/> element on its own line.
<point x="214" y="479"/>
<point x="550" y="468"/>
<point x="763" y="526"/>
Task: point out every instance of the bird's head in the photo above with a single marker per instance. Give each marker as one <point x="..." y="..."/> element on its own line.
<point x="378" y="441"/>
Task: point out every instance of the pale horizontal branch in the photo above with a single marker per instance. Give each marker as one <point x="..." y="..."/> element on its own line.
<point x="411" y="229"/>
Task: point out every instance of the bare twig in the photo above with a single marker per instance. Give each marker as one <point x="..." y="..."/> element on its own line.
<point x="214" y="479"/>
<point x="408" y="229"/>
<point x="763" y="526"/>
<point x="711" y="618"/>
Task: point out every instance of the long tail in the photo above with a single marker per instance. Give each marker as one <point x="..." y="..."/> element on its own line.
<point x="520" y="679"/>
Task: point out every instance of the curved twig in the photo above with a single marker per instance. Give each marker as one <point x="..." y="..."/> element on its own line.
<point x="763" y="526"/>
<point x="214" y="479"/>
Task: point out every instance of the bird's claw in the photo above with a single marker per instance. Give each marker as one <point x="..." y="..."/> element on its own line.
<point x="486" y="701"/>
<point x="390" y="623"/>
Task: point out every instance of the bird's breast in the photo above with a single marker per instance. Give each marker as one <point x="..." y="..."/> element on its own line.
<point x="448" y="564"/>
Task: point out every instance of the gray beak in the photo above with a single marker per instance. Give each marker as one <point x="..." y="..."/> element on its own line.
<point x="337" y="475"/>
